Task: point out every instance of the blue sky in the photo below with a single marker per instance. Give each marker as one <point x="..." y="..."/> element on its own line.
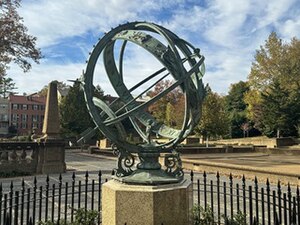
<point x="227" y="32"/>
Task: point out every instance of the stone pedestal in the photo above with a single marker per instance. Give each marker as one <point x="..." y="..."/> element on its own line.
<point x="52" y="157"/>
<point x="147" y="205"/>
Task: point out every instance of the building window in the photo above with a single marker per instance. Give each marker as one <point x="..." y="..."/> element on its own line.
<point x="15" y="117"/>
<point x="3" y="125"/>
<point x="42" y="107"/>
<point x="24" y="117"/>
<point x="3" y="117"/>
<point x="24" y="107"/>
<point x="35" y="107"/>
<point x="14" y="106"/>
<point x="35" y="118"/>
<point x="23" y="125"/>
<point x="3" y="106"/>
<point x="15" y="125"/>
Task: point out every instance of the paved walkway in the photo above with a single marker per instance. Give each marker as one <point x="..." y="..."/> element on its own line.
<point x="273" y="166"/>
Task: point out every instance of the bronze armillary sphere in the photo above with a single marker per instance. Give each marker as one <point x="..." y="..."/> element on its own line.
<point x="180" y="61"/>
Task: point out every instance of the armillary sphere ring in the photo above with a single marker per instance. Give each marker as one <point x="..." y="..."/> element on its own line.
<point x="180" y="60"/>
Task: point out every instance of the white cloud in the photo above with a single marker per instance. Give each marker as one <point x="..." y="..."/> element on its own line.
<point x="226" y="32"/>
<point x="42" y="74"/>
<point x="54" y="20"/>
<point x="291" y="28"/>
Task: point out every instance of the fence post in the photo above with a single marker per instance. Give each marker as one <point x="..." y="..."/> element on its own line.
<point x="79" y="193"/>
<point x="66" y="201"/>
<point x="47" y="197"/>
<point x="34" y="199"/>
<point x="72" y="200"/>
<point x="93" y="194"/>
<point x="22" y="200"/>
<point x="294" y="213"/>
<point x="274" y="205"/>
<point x="28" y="206"/>
<point x="256" y="199"/>
<point x="218" y="196"/>
<point x="225" y="200"/>
<point x="212" y="196"/>
<point x="16" y="208"/>
<point x="284" y="209"/>
<point x="53" y="203"/>
<point x="290" y="202"/>
<point x="11" y="199"/>
<point x="262" y="206"/>
<point x="0" y="202"/>
<point x="244" y="196"/>
<point x="59" y="196"/>
<point x="99" y="194"/>
<point x="86" y="190"/>
<point x="231" y="195"/>
<point x="40" y="203"/>
<point x="205" y="191"/>
<point x="4" y="208"/>
<point x="192" y="176"/>
<point x="268" y="201"/>
<point x="250" y="205"/>
<point x="238" y="197"/>
<point x="298" y="205"/>
<point x="279" y="201"/>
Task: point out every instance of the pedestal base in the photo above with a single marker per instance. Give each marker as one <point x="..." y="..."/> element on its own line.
<point x="52" y="157"/>
<point x="169" y="204"/>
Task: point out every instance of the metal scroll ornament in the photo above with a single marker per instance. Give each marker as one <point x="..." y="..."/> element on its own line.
<point x="182" y="63"/>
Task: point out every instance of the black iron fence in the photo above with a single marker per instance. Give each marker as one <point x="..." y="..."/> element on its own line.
<point x="264" y="204"/>
<point x="58" y="201"/>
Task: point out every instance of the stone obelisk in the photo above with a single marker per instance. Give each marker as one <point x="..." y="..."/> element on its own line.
<point x="52" y="156"/>
<point x="51" y="118"/>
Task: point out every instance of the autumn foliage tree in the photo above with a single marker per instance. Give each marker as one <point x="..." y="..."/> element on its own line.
<point x="214" y="122"/>
<point x="169" y="108"/>
<point x="16" y="45"/>
<point x="274" y="83"/>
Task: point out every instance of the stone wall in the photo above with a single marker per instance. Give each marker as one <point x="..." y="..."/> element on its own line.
<point x="207" y="150"/>
<point x="258" y="141"/>
<point x="32" y="157"/>
<point x="18" y="157"/>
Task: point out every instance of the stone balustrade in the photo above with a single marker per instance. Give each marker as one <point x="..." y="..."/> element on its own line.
<point x="31" y="157"/>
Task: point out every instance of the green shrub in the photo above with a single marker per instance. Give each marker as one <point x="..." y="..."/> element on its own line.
<point x="82" y="217"/>
<point x="238" y="219"/>
<point x="202" y="216"/>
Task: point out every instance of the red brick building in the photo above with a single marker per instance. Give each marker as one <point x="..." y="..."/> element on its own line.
<point x="26" y="113"/>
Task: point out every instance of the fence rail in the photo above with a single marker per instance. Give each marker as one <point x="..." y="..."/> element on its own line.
<point x="262" y="204"/>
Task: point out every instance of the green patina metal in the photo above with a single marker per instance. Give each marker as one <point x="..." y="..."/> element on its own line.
<point x="172" y="56"/>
